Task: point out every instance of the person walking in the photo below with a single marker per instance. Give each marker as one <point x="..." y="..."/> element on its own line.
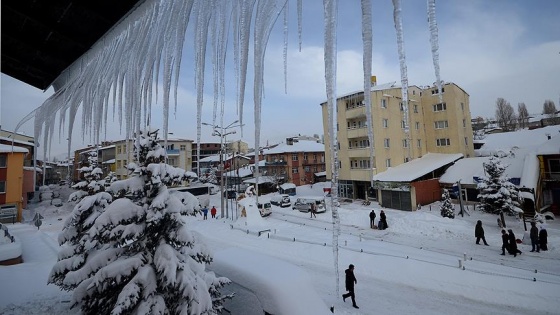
<point x="513" y="244"/>
<point x="205" y="212"/>
<point x="543" y="238"/>
<point x="534" y="234"/>
<point x="312" y="210"/>
<point x="505" y="242"/>
<point x="479" y="233"/>
<point x="350" y="281"/>
<point x="213" y="212"/>
<point x="382" y="221"/>
<point x="372" y="219"/>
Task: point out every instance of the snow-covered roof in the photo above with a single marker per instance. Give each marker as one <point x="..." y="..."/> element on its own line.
<point x="550" y="147"/>
<point x="4" y="148"/>
<point x="111" y="161"/>
<point x="528" y="139"/>
<point x="324" y="173"/>
<point x="300" y="146"/>
<point x="416" y="168"/>
<point x="107" y="147"/>
<point x="262" y="179"/>
<point x="379" y="87"/>
<point x="17" y="141"/>
<point x="288" y="186"/>
<point x="517" y="167"/>
<point x="244" y="171"/>
<point x="30" y="168"/>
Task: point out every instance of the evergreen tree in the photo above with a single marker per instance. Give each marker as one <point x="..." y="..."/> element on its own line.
<point x="149" y="263"/>
<point x="497" y="195"/>
<point x="91" y="182"/>
<point x="110" y="178"/>
<point x="75" y="242"/>
<point x="446" y="208"/>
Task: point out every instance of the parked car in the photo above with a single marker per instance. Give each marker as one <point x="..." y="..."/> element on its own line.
<point x="281" y="200"/>
<point x="265" y="209"/>
<point x="303" y="204"/>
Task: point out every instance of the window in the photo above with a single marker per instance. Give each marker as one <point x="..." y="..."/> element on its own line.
<point x="388" y="162"/>
<point x="294" y="157"/>
<point x="307" y="168"/>
<point x="183" y="147"/>
<point x="436" y="91"/>
<point x="385" y="123"/>
<point x="119" y="150"/>
<point x="417" y="125"/>
<point x="419" y="143"/>
<point x="554" y="167"/>
<point x="405" y="143"/>
<point x="462" y="106"/>
<point x="305" y="156"/>
<point x="2" y="160"/>
<point x="2" y="187"/>
<point x="403" y="124"/>
<point x="315" y="169"/>
<point x="401" y="106"/>
<point x="439" y="107"/>
<point x="466" y="141"/>
<point x="443" y="142"/>
<point x="383" y="103"/>
<point x="464" y="123"/>
<point x="441" y="124"/>
<point x="416" y="108"/>
<point x="294" y="170"/>
<point x="386" y="142"/>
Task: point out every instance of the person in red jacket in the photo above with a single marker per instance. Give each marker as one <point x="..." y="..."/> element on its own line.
<point x="213" y="212"/>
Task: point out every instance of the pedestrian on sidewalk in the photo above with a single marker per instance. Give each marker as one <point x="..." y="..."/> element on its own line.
<point x="479" y="233"/>
<point x="534" y="234"/>
<point x="505" y="242"/>
<point x="350" y="281"/>
<point x="372" y="219"/>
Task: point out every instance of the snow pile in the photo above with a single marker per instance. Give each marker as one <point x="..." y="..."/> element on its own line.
<point x="253" y="218"/>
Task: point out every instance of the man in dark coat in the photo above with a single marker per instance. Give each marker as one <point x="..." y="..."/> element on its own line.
<point x="383" y="220"/>
<point x="534" y="234"/>
<point x="479" y="233"/>
<point x="505" y="242"/>
<point x="513" y="244"/>
<point x="372" y="219"/>
<point x="350" y="281"/>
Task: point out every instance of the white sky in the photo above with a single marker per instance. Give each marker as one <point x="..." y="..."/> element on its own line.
<point x="410" y="268"/>
<point x="492" y="49"/>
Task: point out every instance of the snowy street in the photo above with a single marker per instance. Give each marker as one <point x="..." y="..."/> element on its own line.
<point x="412" y="267"/>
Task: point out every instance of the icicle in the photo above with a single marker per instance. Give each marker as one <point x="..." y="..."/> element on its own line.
<point x="367" y="39"/>
<point x="435" y="43"/>
<point x="299" y="20"/>
<point x="330" y="9"/>
<point x="404" y="77"/>
<point x="285" y="51"/>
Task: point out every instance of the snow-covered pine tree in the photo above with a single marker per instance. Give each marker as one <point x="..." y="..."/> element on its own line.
<point x="209" y="176"/>
<point x="75" y="242"/>
<point x="110" y="178"/>
<point x="90" y="174"/>
<point x="150" y="263"/>
<point x="497" y="195"/>
<point x="446" y="208"/>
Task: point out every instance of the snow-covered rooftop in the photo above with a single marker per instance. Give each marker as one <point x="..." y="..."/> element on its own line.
<point x="530" y="139"/>
<point x="111" y="161"/>
<point x="300" y="146"/>
<point x="17" y="141"/>
<point x="4" y="148"/>
<point x="416" y="168"/>
<point x="551" y="146"/>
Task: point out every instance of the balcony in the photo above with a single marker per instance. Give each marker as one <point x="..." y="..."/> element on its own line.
<point x="172" y="152"/>
<point x="357" y="133"/>
<point x="551" y="176"/>
<point x="356" y="152"/>
<point x="356" y="112"/>
<point x="360" y="174"/>
<point x="276" y="163"/>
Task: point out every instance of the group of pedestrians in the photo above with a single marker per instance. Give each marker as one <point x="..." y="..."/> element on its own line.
<point x="205" y="212"/>
<point x="509" y="241"/>
<point x="382" y="224"/>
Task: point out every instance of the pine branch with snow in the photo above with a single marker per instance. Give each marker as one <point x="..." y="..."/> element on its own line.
<point x="446" y="209"/>
<point x="91" y="182"/>
<point x="496" y="193"/>
<point x="150" y="262"/>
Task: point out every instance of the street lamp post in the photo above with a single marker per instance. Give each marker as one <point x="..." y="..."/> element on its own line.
<point x="221" y="132"/>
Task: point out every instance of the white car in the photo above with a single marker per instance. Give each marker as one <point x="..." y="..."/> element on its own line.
<point x="281" y="200"/>
<point x="265" y="209"/>
<point x="303" y="204"/>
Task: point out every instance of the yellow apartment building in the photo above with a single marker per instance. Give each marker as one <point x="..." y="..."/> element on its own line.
<point x="11" y="181"/>
<point x="429" y="125"/>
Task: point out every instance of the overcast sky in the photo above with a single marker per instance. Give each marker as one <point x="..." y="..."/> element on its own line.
<point x="491" y="49"/>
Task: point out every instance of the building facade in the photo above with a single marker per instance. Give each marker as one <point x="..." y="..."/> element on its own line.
<point x="296" y="161"/>
<point x="13" y="197"/>
<point x="430" y="124"/>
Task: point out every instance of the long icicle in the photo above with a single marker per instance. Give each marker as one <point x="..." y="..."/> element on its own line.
<point x="434" y="41"/>
<point x="330" y="10"/>
<point x="367" y="40"/>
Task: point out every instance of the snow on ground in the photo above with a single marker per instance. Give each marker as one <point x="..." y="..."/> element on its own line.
<point x="410" y="268"/>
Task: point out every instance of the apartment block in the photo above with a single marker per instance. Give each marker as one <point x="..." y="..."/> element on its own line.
<point x="431" y="124"/>
<point x="295" y="161"/>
